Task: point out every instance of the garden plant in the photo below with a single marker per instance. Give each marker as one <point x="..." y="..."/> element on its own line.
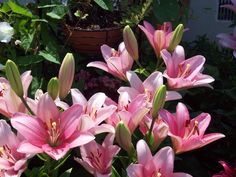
<point x="154" y="124"/>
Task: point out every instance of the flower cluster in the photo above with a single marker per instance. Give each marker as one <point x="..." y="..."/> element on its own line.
<point x="50" y="127"/>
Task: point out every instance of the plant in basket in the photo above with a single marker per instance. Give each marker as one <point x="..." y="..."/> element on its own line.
<point x="90" y="24"/>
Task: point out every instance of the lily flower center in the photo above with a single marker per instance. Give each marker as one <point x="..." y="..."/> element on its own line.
<point x="115" y="53"/>
<point x="6" y="154"/>
<point x="148" y="93"/>
<point x="54" y="134"/>
<point x="3" y="88"/>
<point x="191" y="129"/>
<point x="184" y="72"/>
<point x="96" y="160"/>
<point x="157" y="174"/>
<point x="93" y="113"/>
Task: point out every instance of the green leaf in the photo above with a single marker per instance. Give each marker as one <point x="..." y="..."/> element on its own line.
<point x="5" y="8"/>
<point x="48" y="56"/>
<point x="28" y="60"/>
<point x="114" y="173"/>
<point x="39" y="20"/>
<point x="66" y="173"/>
<point x="58" y="12"/>
<point x="166" y="10"/>
<point x="105" y="4"/>
<point x="19" y="9"/>
<point x="49" y="6"/>
<point x="27" y="39"/>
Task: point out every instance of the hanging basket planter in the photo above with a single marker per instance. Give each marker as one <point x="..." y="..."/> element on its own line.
<point x="89" y="41"/>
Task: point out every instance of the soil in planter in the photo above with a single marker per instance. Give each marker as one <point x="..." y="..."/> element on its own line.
<point x="96" y="18"/>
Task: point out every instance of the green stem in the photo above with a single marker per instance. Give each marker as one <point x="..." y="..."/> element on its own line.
<point x="146" y="73"/>
<point x="151" y="128"/>
<point x="27" y="106"/>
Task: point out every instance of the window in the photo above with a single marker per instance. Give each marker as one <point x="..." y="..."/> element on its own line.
<point x="224" y="14"/>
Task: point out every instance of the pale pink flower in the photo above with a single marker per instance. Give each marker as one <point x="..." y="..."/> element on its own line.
<point x="10" y="103"/>
<point x="188" y="134"/>
<point x="96" y="158"/>
<point x="159" y="165"/>
<point x="228" y="40"/>
<point x="230" y="6"/>
<point x="228" y="171"/>
<point x="148" y="87"/>
<point x="117" y="62"/>
<point x="159" y="131"/>
<point x="131" y="112"/>
<point x="12" y="162"/>
<point x="51" y="131"/>
<point x="33" y="103"/>
<point x="181" y="73"/>
<point x="95" y="112"/>
<point x="160" y="38"/>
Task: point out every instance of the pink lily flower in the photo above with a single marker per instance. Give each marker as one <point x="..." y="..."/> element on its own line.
<point x="148" y="87"/>
<point x="228" y="40"/>
<point x="50" y="131"/>
<point x="160" y="38"/>
<point x="181" y="73"/>
<point x="230" y="6"/>
<point x="128" y="113"/>
<point x="12" y="162"/>
<point x="161" y="164"/>
<point x="10" y="103"/>
<point x="33" y="103"/>
<point x="117" y="62"/>
<point x="228" y="171"/>
<point x="96" y="158"/>
<point x="188" y="134"/>
<point x="160" y="130"/>
<point x="94" y="112"/>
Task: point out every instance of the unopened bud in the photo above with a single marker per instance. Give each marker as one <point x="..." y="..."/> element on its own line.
<point x="53" y="87"/>
<point x="66" y="75"/>
<point x="176" y="37"/>
<point x="131" y="43"/>
<point x="158" y="100"/>
<point x="13" y="76"/>
<point x="123" y="137"/>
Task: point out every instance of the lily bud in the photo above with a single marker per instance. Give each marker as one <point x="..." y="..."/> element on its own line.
<point x="13" y="76"/>
<point x="158" y="100"/>
<point x="149" y="138"/>
<point x="176" y="37"/>
<point x="66" y="75"/>
<point x="123" y="137"/>
<point x="131" y="43"/>
<point x="53" y="87"/>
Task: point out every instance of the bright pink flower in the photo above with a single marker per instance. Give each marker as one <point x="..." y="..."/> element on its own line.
<point x="33" y="103"/>
<point x="10" y="103"/>
<point x="12" y="162"/>
<point x="148" y="87"/>
<point x="188" y="134"/>
<point x="131" y="112"/>
<point x="228" y="40"/>
<point x="228" y="171"/>
<point x="160" y="130"/>
<point x="94" y="112"/>
<point x="117" y="62"/>
<point x="159" y="165"/>
<point x="181" y="73"/>
<point x="96" y="158"/>
<point x="51" y="131"/>
<point x="230" y="6"/>
<point x="160" y="38"/>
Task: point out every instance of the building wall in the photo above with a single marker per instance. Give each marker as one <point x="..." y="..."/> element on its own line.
<point x="204" y="20"/>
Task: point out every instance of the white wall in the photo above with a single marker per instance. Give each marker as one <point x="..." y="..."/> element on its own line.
<point x="204" y="20"/>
